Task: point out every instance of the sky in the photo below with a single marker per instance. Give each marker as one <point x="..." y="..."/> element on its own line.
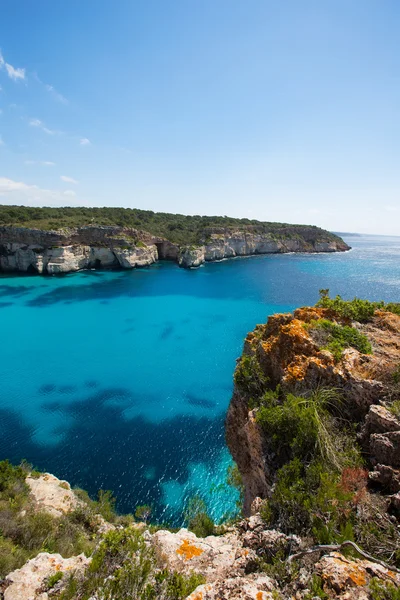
<point x="274" y="110"/>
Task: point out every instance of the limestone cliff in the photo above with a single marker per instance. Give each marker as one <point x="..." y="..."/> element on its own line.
<point x="91" y="247"/>
<point x="224" y="243"/>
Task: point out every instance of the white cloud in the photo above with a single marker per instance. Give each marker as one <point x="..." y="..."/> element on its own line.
<point x="38" y="123"/>
<point x="59" y="97"/>
<point x="13" y="72"/>
<point x="68" y="179"/>
<point x="19" y="192"/>
<point x="8" y="185"/>
<point x="43" y="163"/>
<point x="84" y="142"/>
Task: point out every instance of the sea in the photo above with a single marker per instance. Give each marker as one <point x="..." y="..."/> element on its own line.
<point x="120" y="380"/>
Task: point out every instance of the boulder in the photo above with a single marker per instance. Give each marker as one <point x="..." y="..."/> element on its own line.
<point x="52" y="494"/>
<point x="215" y="557"/>
<point x="349" y="579"/>
<point x="26" y="583"/>
<point x="252" y="587"/>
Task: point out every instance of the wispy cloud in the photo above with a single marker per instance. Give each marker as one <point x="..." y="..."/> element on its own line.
<point x="13" y="192"/>
<point x="68" y="179"/>
<point x="84" y="142"/>
<point x="43" y="163"/>
<point x="56" y="95"/>
<point x="38" y="123"/>
<point x="13" y="72"/>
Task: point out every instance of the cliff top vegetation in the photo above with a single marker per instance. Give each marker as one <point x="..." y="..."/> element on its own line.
<point x="176" y="228"/>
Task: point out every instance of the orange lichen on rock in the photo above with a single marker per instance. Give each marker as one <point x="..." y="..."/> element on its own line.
<point x="296" y="370"/>
<point x="188" y="550"/>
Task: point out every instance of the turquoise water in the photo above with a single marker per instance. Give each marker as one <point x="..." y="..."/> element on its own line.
<point x="121" y="380"/>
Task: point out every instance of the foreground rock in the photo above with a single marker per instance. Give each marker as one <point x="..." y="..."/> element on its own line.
<point x="27" y="583"/>
<point x="52" y="494"/>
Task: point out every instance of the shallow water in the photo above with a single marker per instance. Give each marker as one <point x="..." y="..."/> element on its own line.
<point x="121" y="380"/>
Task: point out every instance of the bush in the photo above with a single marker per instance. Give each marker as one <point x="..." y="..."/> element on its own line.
<point x="124" y="567"/>
<point x="383" y="591"/>
<point x="356" y="309"/>
<point x="197" y="518"/>
<point x="341" y="337"/>
<point x="249" y="377"/>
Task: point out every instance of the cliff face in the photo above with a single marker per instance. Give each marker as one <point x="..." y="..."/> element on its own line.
<point x="228" y="244"/>
<point x="290" y="353"/>
<point x="51" y="252"/>
<point x="90" y="247"/>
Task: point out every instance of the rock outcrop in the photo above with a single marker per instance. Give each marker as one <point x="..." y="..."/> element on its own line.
<point x="227" y="244"/>
<point x="27" y="583"/>
<point x="55" y="252"/>
<point x="246" y="561"/>
<point x="291" y="355"/>
<point x="103" y="247"/>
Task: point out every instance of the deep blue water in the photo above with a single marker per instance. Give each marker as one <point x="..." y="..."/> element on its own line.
<point x="121" y="380"/>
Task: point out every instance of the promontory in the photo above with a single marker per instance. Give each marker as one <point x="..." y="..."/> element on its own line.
<point x="63" y="240"/>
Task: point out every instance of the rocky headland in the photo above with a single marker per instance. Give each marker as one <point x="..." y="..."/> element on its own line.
<point x="45" y="250"/>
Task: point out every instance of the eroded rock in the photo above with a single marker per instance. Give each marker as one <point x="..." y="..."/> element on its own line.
<point x="26" y="583"/>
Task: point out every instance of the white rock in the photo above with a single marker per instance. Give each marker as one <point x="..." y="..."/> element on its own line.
<point x="24" y="583"/>
<point x="52" y="494"/>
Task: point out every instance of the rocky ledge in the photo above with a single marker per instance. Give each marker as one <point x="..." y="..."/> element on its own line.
<point x="93" y="247"/>
<point x="247" y="561"/>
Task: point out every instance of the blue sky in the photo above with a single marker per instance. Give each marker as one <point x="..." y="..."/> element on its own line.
<point x="278" y="110"/>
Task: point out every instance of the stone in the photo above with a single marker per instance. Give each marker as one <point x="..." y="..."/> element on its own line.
<point x="25" y="583"/>
<point x="128" y="258"/>
<point x="252" y="587"/>
<point x="344" y="576"/>
<point x="191" y="257"/>
<point x="52" y="494"/>
<point x="385" y="448"/>
<point x="386" y="476"/>
<point x="214" y="557"/>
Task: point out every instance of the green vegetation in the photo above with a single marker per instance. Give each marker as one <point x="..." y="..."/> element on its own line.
<point x="235" y="480"/>
<point x="53" y="579"/>
<point x="197" y="519"/>
<point x="249" y="378"/>
<point x="124" y="567"/>
<point x="180" y="229"/>
<point x="143" y="512"/>
<point x="383" y="591"/>
<point x="316" y="589"/>
<point x="340" y="337"/>
<point x="24" y="532"/>
<point x="356" y="309"/>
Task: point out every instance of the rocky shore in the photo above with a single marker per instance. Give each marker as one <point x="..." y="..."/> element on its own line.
<point x="50" y="252"/>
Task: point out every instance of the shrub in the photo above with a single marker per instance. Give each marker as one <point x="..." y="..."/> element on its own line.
<point x="383" y="590"/>
<point x="356" y="309"/>
<point x="53" y="579"/>
<point x="143" y="512"/>
<point x="249" y="377"/>
<point x="197" y="518"/>
<point x="341" y="337"/>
